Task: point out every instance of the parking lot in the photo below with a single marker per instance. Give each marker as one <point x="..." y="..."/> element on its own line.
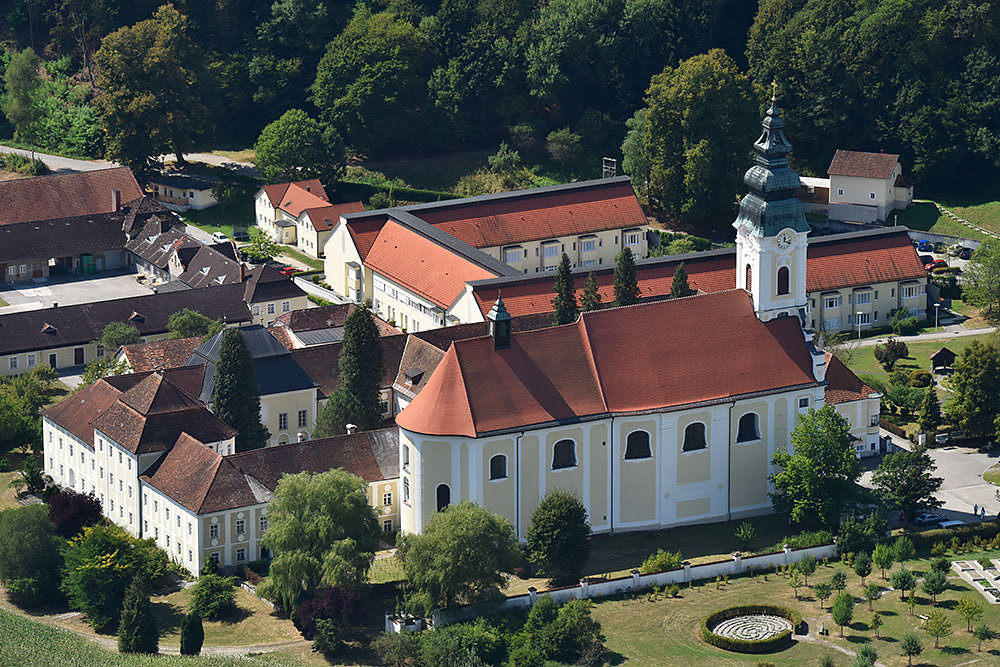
<point x="67" y="290"/>
<point x="943" y="254"/>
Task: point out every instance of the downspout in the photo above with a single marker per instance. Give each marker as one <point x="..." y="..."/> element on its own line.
<point x="611" y="485"/>
<point x="517" y="482"/>
<point x="729" y="464"/>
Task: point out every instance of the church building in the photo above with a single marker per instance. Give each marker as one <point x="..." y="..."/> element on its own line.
<point x="657" y="414"/>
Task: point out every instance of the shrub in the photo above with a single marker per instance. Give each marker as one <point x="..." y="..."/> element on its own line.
<point x="192" y="634"/>
<point x="71" y="511"/>
<point x="559" y="537"/>
<point x="137" y="630"/>
<point x="804" y="540"/>
<point x="920" y="378"/>
<point x="214" y="596"/>
<point x="939" y="549"/>
<point x="448" y="646"/>
<point x="940" y="564"/>
<point x="891" y="351"/>
<point x="956" y="535"/>
<point x="397" y="649"/>
<point x="661" y="561"/>
<point x="327" y="639"/>
<point x="337" y="604"/>
<point x="776" y="643"/>
<point x="29" y="555"/>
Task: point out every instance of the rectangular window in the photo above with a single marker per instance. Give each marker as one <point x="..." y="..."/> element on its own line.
<point x="286" y="306"/>
<point x="270" y="309"/>
<point x="632" y="238"/>
<point x="31" y="360"/>
<point x="862" y="298"/>
<point x="589" y="262"/>
<point x="406" y="490"/>
<point x="241" y="554"/>
<point x="190" y="556"/>
<point x="911" y="291"/>
<point x="892" y="293"/>
<point x="213" y="532"/>
<point x="283" y="421"/>
<point x="513" y="254"/>
<point x="262" y="523"/>
<point x="100" y="350"/>
<point x="101" y="473"/>
<point x="112" y="504"/>
<point x="111" y="478"/>
<point x="214" y="556"/>
<point x="303" y="414"/>
<point x="864" y="319"/>
<point x="145" y="527"/>
<point x="873" y="419"/>
<point x="387" y="498"/>
<point x="588" y="245"/>
<point x="871" y="195"/>
<point x="129" y="490"/>
<point x="831" y="323"/>
<point x="387" y="525"/>
<point x="840" y="192"/>
<point x="830" y="302"/>
<point x="803" y="403"/>
<point x="168" y="541"/>
<point x="189" y="527"/>
<point x="256" y="309"/>
<point x="166" y="511"/>
<point x="406" y="457"/>
<point x="156" y="505"/>
<point x="12" y="362"/>
<point x="550" y="250"/>
<point x="241" y="526"/>
<point x="178" y="520"/>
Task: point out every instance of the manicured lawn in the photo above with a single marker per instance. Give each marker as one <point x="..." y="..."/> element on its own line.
<point x="214" y="219"/>
<point x="864" y="361"/>
<point x="245" y="155"/>
<point x="665" y="632"/>
<point x="924" y="216"/>
<point x="992" y="475"/>
<point x="305" y="259"/>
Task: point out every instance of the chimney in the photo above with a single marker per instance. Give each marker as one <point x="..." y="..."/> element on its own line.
<point x="55" y="304"/>
<point x="351" y="429"/>
<point x="116" y="200"/>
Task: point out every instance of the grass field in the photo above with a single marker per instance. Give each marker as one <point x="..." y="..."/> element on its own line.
<point x="305" y="259"/>
<point x="245" y="155"/>
<point x="214" y="219"/>
<point x="665" y="632"/>
<point x="924" y="216"/>
<point x="864" y="361"/>
<point x="992" y="475"/>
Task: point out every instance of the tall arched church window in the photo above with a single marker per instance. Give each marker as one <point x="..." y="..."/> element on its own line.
<point x="749" y="428"/>
<point x="694" y="437"/>
<point x="783" y="280"/>
<point x="443" y="496"/>
<point x="564" y="454"/>
<point x="637" y="445"/>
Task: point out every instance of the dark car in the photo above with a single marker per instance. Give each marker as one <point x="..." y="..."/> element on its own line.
<point x="924" y="245"/>
<point x="929" y="519"/>
<point x="965" y="253"/>
<point x="926" y="259"/>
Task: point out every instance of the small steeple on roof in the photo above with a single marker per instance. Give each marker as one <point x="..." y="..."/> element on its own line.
<point x="498" y="311"/>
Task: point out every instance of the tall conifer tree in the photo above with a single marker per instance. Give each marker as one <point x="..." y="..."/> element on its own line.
<point x="591" y="299"/>
<point x="564" y="302"/>
<point x="679" y="285"/>
<point x="137" y="628"/>
<point x="235" y="397"/>
<point x="361" y="362"/>
<point x="626" y="281"/>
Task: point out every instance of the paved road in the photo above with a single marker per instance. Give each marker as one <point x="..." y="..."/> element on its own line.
<point x="245" y="168"/>
<point x="947" y="332"/>
<point x="60" y="164"/>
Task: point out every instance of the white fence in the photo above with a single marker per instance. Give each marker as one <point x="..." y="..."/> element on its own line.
<point x="637" y="582"/>
<point x="309" y="287"/>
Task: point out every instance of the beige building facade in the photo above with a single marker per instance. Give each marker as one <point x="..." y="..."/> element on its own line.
<point x="869" y="306"/>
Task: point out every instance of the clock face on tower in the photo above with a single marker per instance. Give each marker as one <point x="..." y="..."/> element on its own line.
<point x="784" y="240"/>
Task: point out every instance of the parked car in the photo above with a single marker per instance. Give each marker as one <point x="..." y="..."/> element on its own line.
<point x="951" y="523"/>
<point x="929" y="519"/>
<point x="240" y="235"/>
<point x="288" y="271"/>
<point x="924" y="245"/>
<point x="965" y="253"/>
<point x="219" y="237"/>
<point x="936" y="264"/>
<point x="926" y="259"/>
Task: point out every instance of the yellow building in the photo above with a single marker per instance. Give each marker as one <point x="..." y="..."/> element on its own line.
<point x="277" y="207"/>
<point x="270" y="294"/>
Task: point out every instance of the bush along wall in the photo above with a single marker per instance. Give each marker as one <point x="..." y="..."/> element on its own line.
<point x="778" y="642"/>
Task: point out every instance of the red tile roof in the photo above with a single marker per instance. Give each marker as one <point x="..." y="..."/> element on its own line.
<point x="865" y="260"/>
<point x="592" y="368"/>
<point x="296" y="194"/>
<point x="843" y="386"/>
<point x="863" y="165"/>
<point x="160" y="354"/>
<point x="65" y="195"/>
<point x="365" y="231"/>
<point x="77" y="412"/>
<point x="422" y="265"/>
<point x="189" y="472"/>
<point x="324" y="218"/>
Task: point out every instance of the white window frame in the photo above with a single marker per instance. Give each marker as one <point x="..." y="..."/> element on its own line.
<point x="862" y="298"/>
<point x="832" y="302"/>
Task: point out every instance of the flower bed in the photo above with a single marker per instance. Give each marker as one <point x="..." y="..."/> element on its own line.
<point x="780" y="637"/>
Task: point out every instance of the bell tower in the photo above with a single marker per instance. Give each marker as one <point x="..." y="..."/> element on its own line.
<point x="771" y="227"/>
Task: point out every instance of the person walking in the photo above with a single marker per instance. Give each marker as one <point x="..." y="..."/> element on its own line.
<point x="975" y="509"/>
<point x="982" y="513"/>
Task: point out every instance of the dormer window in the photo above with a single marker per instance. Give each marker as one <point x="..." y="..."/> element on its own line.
<point x="204" y="271"/>
<point x="413" y="377"/>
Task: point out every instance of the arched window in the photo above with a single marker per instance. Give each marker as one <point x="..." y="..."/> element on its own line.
<point x="749" y="428"/>
<point x="443" y="496"/>
<point x="282" y="439"/>
<point x="694" y="437"/>
<point x="637" y="445"/>
<point x="564" y="454"/>
<point x="749" y="284"/>
<point x="498" y="467"/>
<point x="783" y="280"/>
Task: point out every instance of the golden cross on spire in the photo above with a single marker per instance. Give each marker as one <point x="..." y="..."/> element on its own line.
<point x="774" y="90"/>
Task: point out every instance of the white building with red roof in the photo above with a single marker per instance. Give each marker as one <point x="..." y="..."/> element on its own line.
<point x="866" y="187"/>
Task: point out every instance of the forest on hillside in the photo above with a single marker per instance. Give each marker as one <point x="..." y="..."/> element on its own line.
<point x="674" y="87"/>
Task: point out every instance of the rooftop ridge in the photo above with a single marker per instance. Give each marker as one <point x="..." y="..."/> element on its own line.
<point x="461" y="248"/>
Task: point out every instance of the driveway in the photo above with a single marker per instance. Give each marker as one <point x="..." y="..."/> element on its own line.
<point x="59" y="164"/>
<point x="67" y="290"/>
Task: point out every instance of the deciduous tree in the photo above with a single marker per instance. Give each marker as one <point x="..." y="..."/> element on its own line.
<point x="817" y="480"/>
<point x="905" y="480"/>
<point x="213" y="597"/>
<point x="982" y="633"/>
<point x="559" y="537"/>
<point x="883" y="557"/>
<point x="822" y="591"/>
<point x="902" y="580"/>
<point x="29" y="555"/>
<point x="872" y="592"/>
<point x="975" y="403"/>
<point x="71" y="512"/>
<point x="934" y="584"/>
<point x="937" y="625"/>
<point x="970" y="609"/>
<point x="862" y="566"/>
<point x="187" y="323"/>
<point x="296" y="147"/>
<point x="21" y="103"/>
<point x="889" y="352"/>
<point x="261" y="247"/>
<point x="116" y="334"/>
<point x="564" y="302"/>
<point x="235" y="396"/>
<point x="910" y="646"/>
<point x="981" y="278"/>
<point x="843" y="610"/>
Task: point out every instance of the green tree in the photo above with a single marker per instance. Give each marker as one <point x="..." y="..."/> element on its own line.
<point x="806" y="566"/>
<point x="235" y="397"/>
<point x="505" y="162"/>
<point x="137" y="629"/>
<point x="295" y="147"/>
<point x="21" y="103"/>
<point x="321" y="530"/>
<point x="982" y="633"/>
<point x="839" y="581"/>
<point x="339" y="410"/>
<point x="462" y="556"/>
<point x="563" y="146"/>
<point x="626" y="282"/>
<point x="372" y="82"/>
<point x="559" y="537"/>
<point x="902" y="580"/>
<point x="867" y="655"/>
<point x="889" y="352"/>
<point x="635" y="157"/>
<point x="937" y="625"/>
<point x="822" y="591"/>
<point x="679" y="285"/>
<point x="700" y="124"/>
<point x="843" y="610"/>
<point x="155" y="90"/>
<point x="564" y="302"/>
<point x="872" y="592"/>
<point x="930" y="411"/>
<point x="981" y="278"/>
<point x="102" y="367"/>
<point x="883" y="557"/>
<point x="910" y="646"/>
<point x="213" y="597"/>
<point x="29" y="555"/>
<point x="876" y="623"/>
<point x="934" y="584"/>
<point x="975" y="403"/>
<point x="192" y="634"/>
<point x="745" y="533"/>
<point x="905" y="480"/>
<point x="116" y="334"/>
<point x="795" y="582"/>
<point x="903" y="549"/>
<point x="261" y="247"/>
<point x="862" y="566"/>
<point x="970" y="609"/>
<point x="187" y="323"/>
<point x="591" y="298"/>
<point x="817" y="480"/>
<point x="397" y="649"/>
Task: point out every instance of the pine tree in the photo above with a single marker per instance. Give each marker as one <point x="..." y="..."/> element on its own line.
<point x="679" y="286"/>
<point x="361" y="367"/>
<point x="137" y="628"/>
<point x="235" y="398"/>
<point x="626" y="282"/>
<point x="930" y="411"/>
<point x="192" y="634"/>
<point x="564" y="302"/>
<point x="340" y="410"/>
<point x="591" y="299"/>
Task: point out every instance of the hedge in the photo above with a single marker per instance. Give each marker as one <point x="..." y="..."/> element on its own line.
<point x="926" y="539"/>
<point x="364" y="191"/>
<point x="778" y="642"/>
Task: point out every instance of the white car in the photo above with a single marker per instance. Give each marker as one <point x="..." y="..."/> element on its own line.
<point x="219" y="237"/>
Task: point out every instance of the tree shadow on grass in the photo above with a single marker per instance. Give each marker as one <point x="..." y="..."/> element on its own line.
<point x="857" y="639"/>
<point x="614" y="658"/>
<point x="887" y="640"/>
<point x="954" y="650"/>
<point x="235" y="615"/>
<point x="168" y="617"/>
<point x="886" y="612"/>
<point x="947" y="604"/>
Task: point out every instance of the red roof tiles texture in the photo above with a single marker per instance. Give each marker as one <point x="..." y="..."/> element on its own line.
<point x="863" y="165"/>
<point x="324" y="218"/>
<point x="864" y="261"/>
<point x="65" y="195"/>
<point x="643" y="357"/>
<point x="427" y="268"/>
<point x="278" y="193"/>
<point x="160" y="354"/>
<point x="843" y="385"/>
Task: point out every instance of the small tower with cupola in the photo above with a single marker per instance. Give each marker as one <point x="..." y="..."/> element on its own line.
<point x="498" y="323"/>
<point x="771" y="227"/>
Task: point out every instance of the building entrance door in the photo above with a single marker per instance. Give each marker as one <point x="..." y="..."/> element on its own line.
<point x="78" y="356"/>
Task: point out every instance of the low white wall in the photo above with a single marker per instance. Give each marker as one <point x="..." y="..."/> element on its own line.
<point x="637" y="582"/>
<point x="309" y="287"/>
